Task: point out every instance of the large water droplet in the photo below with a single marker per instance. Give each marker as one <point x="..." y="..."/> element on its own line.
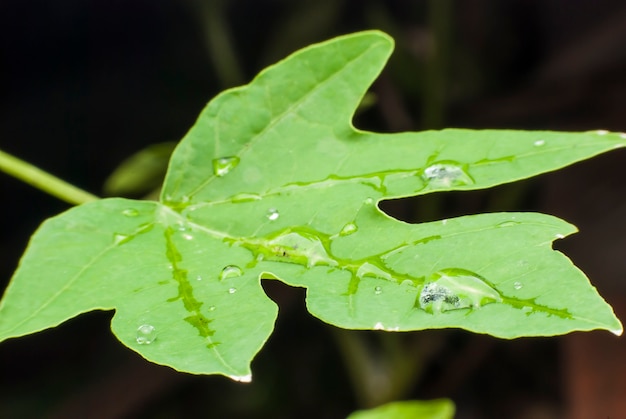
<point x="146" y="334"/>
<point x="517" y="285"/>
<point x="453" y="289"/>
<point x="272" y="214"/>
<point x="223" y="165"/>
<point x="446" y="174"/>
<point x="300" y="247"/>
<point x="378" y="290"/>
<point x="130" y="212"/>
<point x="348" y="229"/>
<point x="119" y="238"/>
<point x="230" y="271"/>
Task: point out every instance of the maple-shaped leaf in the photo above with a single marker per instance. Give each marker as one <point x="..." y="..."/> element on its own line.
<point x="273" y="181"/>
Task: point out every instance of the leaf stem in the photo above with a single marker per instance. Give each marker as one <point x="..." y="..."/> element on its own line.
<point x="42" y="180"/>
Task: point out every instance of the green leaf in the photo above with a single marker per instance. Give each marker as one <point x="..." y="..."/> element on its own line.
<point x="432" y="409"/>
<point x="273" y="181"/>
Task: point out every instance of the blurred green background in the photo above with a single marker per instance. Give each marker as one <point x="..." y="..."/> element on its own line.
<point x="84" y="84"/>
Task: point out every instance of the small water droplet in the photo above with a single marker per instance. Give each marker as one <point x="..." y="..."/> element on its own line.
<point x="559" y="236"/>
<point x="230" y="271"/>
<point x="272" y="214"/>
<point x="348" y="229"/>
<point x="146" y="334"/>
<point x="444" y="222"/>
<point x="130" y="212"/>
<point x="223" y="165"/>
<point x="379" y="326"/>
<point x="187" y="236"/>
<point x="199" y="278"/>
<point x="446" y="174"/>
<point x="232" y="290"/>
<point x="623" y="135"/>
<point x="378" y="290"/>
<point x="211" y="308"/>
<point x="602" y="132"/>
<point x="453" y="288"/>
<point x="517" y="285"/>
<point x="369" y="201"/>
<point x="539" y="143"/>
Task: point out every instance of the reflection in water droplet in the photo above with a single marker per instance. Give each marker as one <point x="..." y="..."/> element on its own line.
<point x="241" y="378"/>
<point x="446" y="174"/>
<point x="272" y="214"/>
<point x="602" y="132"/>
<point x="146" y="334"/>
<point x="130" y="212"/>
<point x="230" y="271"/>
<point x="517" y="285"/>
<point x="348" y="229"/>
<point x="232" y="290"/>
<point x="223" y="165"/>
<point x="452" y="289"/>
<point x="378" y="290"/>
<point x="539" y="143"/>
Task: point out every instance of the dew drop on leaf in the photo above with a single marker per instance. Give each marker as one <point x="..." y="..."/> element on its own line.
<point x="230" y="271"/>
<point x="517" y="285"/>
<point x="348" y="229"/>
<point x="120" y="238"/>
<point x="446" y="174"/>
<point x="199" y="278"/>
<point x="130" y="212"/>
<point x="453" y="289"/>
<point x="378" y="290"/>
<point x="241" y="378"/>
<point x="602" y="132"/>
<point x="211" y="308"/>
<point x="146" y="334"/>
<point x="539" y="143"/>
<point x="272" y="214"/>
<point x="223" y="165"/>
<point x="232" y="290"/>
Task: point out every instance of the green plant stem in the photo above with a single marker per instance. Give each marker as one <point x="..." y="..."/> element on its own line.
<point x="42" y="180"/>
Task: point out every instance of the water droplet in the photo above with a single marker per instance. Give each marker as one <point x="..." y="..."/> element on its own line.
<point x="146" y="334"/>
<point x="623" y="135"/>
<point x="272" y="214"/>
<point x="509" y="223"/>
<point x="539" y="143"/>
<point x="369" y="201"/>
<point x="452" y="289"/>
<point x="199" y="278"/>
<point x="121" y="238"/>
<point x="446" y="174"/>
<point x="527" y="309"/>
<point x="444" y="222"/>
<point x="559" y="236"/>
<point x="130" y="212"/>
<point x="232" y="290"/>
<point x="300" y="247"/>
<point x="378" y="290"/>
<point x="223" y="165"/>
<point x="379" y="326"/>
<point x="230" y="271"/>
<point x="241" y="378"/>
<point x="211" y="308"/>
<point x="602" y="132"/>
<point x="517" y="285"/>
<point x="187" y="236"/>
<point x="369" y="269"/>
<point x="348" y="229"/>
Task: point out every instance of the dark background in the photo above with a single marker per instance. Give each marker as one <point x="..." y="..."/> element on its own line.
<point x="86" y="83"/>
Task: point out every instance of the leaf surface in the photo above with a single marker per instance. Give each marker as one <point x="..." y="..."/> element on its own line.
<point x="273" y="181"/>
<point x="412" y="409"/>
